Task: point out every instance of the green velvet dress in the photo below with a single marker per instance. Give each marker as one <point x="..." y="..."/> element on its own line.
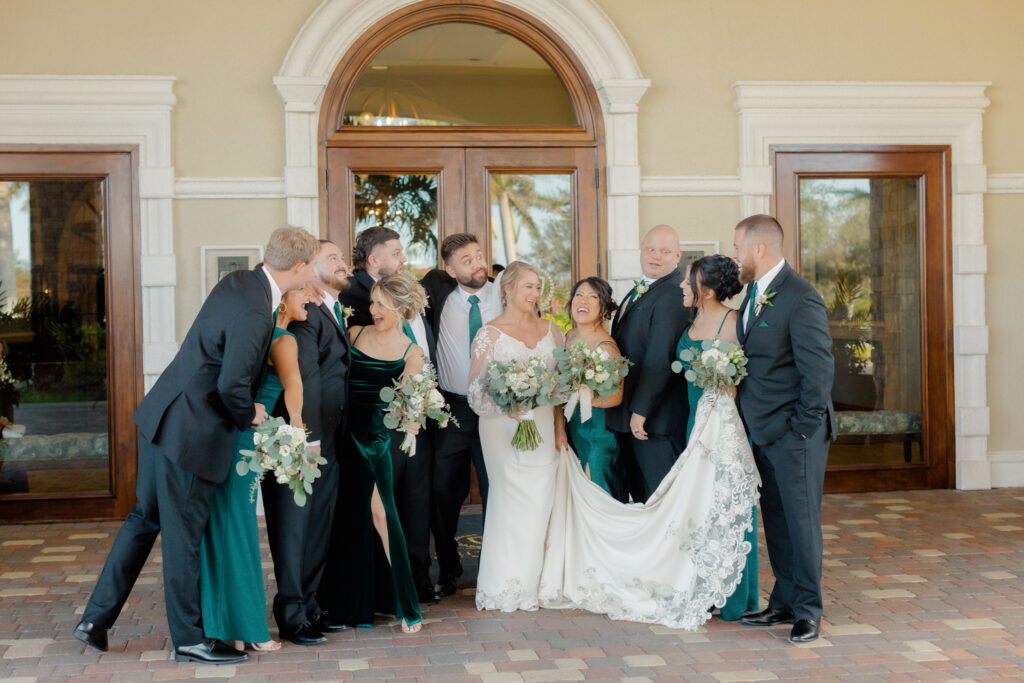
<point x="744" y="599"/>
<point x="367" y="583"/>
<point x="595" y="446"/>
<point x="234" y="605"/>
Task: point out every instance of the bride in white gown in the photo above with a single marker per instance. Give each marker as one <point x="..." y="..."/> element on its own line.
<point x="553" y="538"/>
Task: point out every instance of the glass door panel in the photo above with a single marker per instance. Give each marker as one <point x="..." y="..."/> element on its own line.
<point x="53" y="328"/>
<point x="860" y="248"/>
<point x="531" y="220"/>
<point x="406" y="203"/>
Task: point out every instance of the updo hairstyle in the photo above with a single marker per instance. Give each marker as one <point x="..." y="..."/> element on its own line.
<point x="718" y="273"/>
<point x="403" y="291"/>
<point x="604" y="295"/>
<point x="512" y="274"/>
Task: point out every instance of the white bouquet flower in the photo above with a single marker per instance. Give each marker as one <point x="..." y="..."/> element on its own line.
<point x="414" y="400"/>
<point x="584" y="372"/>
<point x="719" y="366"/>
<point x="517" y="388"/>
<point x="281" y="449"/>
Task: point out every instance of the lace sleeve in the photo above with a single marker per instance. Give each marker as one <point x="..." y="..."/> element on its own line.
<point x="483" y="346"/>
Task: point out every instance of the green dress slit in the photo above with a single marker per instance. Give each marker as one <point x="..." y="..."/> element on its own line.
<point x="368" y="584"/>
<point x="234" y="606"/>
<point x="744" y="599"/>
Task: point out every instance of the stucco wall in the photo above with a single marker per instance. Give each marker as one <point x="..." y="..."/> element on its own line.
<point x="228" y="121"/>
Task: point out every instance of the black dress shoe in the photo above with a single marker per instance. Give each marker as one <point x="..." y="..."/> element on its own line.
<point x="428" y="595"/>
<point x="91" y="634"/>
<point x="446" y="586"/>
<point x="323" y="623"/>
<point x="768" y="617"/>
<point x="209" y="652"/>
<point x="804" y="631"/>
<point x="306" y="634"/>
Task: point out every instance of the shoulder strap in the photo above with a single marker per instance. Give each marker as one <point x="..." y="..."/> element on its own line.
<point x="358" y="333"/>
<point x="406" y="348"/>
<point x="722" y="324"/>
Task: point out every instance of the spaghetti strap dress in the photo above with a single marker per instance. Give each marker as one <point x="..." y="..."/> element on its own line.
<point x="595" y="446"/>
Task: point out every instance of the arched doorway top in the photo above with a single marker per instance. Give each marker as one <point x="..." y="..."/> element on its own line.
<point x="336" y="24"/>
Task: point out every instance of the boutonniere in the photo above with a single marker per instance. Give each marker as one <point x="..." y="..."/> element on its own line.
<point x="641" y="287"/>
<point x="764" y="299"/>
<point x="346" y="313"/>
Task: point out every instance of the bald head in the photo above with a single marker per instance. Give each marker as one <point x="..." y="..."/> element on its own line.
<point x="659" y="251"/>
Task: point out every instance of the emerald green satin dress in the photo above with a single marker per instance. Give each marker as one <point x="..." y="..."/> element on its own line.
<point x="595" y="446"/>
<point x="367" y="583"/>
<point x="233" y="603"/>
<point x="744" y="599"/>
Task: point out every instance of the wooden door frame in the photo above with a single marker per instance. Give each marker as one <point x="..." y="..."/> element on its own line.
<point x="933" y="165"/>
<point x="118" y="166"/>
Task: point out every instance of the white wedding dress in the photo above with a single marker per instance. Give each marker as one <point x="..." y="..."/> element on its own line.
<point x="553" y="538"/>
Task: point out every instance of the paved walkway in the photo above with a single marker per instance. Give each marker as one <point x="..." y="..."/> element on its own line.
<point x="918" y="586"/>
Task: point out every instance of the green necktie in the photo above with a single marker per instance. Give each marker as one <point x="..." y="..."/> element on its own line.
<point x="475" y="321"/>
<point x="339" y="314"/>
<point x="752" y="305"/>
<point x="407" y="329"/>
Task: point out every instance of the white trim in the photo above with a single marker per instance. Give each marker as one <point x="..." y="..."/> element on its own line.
<point x="229" y="188"/>
<point x="1006" y="183"/>
<point x="1007" y="468"/>
<point x="909" y="113"/>
<point x="690" y="186"/>
<point x="335" y="26"/>
<point x="112" y="110"/>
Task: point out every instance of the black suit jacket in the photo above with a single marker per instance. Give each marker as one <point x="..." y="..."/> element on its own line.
<point x="789" y="361"/>
<point x="357" y="296"/>
<point x="438" y="285"/>
<point x="323" y="362"/>
<point x="205" y="396"/>
<point x="647" y="333"/>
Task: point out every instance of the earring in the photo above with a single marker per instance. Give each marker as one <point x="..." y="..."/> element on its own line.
<point x="282" y="308"/>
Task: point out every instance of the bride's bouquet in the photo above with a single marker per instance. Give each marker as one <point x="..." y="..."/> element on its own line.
<point x="719" y="366"/>
<point x="584" y="372"/>
<point x="281" y="450"/>
<point x="413" y="400"/>
<point x="517" y="388"/>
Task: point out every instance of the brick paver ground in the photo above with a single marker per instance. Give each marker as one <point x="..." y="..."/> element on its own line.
<point x="918" y="586"/>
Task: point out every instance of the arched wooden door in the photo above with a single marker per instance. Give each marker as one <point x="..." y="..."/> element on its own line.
<point x="466" y="117"/>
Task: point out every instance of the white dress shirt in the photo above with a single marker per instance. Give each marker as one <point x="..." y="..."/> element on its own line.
<point x="762" y="287"/>
<point x="329" y="302"/>
<point x="275" y="291"/>
<point x="453" y="347"/>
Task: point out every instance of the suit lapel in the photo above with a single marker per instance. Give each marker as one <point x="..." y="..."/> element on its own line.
<point x="332" y="321"/>
<point x="621" y="308"/>
<point x="774" y="284"/>
<point x="636" y="300"/>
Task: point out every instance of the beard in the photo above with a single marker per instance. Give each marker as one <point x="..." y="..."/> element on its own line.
<point x="475" y="281"/>
<point x="332" y="280"/>
<point x="747" y="272"/>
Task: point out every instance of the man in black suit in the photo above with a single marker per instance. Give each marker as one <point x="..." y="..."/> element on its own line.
<point x="787" y="407"/>
<point x="188" y="424"/>
<point x="460" y="300"/>
<point x="299" y="536"/>
<point x="377" y="253"/>
<point x="650" y="423"/>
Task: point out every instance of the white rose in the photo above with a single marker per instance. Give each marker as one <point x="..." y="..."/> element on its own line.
<point x="282" y="479"/>
<point x="601" y="377"/>
<point x="417" y="378"/>
<point x="589" y="374"/>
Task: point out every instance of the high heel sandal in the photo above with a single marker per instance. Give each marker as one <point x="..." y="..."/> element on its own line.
<point x="411" y="628"/>
<point x="268" y="646"/>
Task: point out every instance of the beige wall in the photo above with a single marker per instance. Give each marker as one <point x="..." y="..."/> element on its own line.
<point x="229" y="119"/>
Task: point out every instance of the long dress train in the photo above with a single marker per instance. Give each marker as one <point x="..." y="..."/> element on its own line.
<point x="234" y="605"/>
<point x="368" y="584"/>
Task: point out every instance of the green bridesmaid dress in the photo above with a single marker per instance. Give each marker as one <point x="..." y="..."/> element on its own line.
<point x="744" y="599"/>
<point x="234" y="605"/>
<point x="595" y="446"/>
<point x="368" y="584"/>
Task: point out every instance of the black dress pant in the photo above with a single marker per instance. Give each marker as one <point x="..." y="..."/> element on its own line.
<point x="413" y="479"/>
<point x="456" y="448"/>
<point x="319" y="521"/>
<point x="286" y="532"/>
<point x="644" y="463"/>
<point x="792" y="481"/>
<point x="175" y="504"/>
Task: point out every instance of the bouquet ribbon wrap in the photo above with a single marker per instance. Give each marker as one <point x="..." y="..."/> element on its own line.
<point x="527" y="436"/>
<point x="409" y="444"/>
<point x="585" y="397"/>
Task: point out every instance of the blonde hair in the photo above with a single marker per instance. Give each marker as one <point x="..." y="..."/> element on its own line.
<point x="404" y="292"/>
<point x="290" y="246"/>
<point x="511" y="276"/>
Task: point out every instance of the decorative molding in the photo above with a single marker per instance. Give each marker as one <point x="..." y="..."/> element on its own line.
<point x="690" y="186"/>
<point x="1006" y="183"/>
<point x="106" y="110"/>
<point x="337" y="24"/>
<point x="229" y="188"/>
<point x="1007" y="469"/>
<point x="908" y="113"/>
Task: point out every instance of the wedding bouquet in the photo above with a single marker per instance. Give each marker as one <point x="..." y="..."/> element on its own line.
<point x="517" y="388"/>
<point x="413" y="400"/>
<point x="719" y="366"/>
<point x="281" y="450"/>
<point x="584" y="372"/>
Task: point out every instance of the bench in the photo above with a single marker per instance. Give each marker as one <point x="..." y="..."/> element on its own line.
<point x="879" y="425"/>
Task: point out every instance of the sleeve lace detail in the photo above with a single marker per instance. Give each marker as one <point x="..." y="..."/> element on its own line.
<point x="482" y="353"/>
